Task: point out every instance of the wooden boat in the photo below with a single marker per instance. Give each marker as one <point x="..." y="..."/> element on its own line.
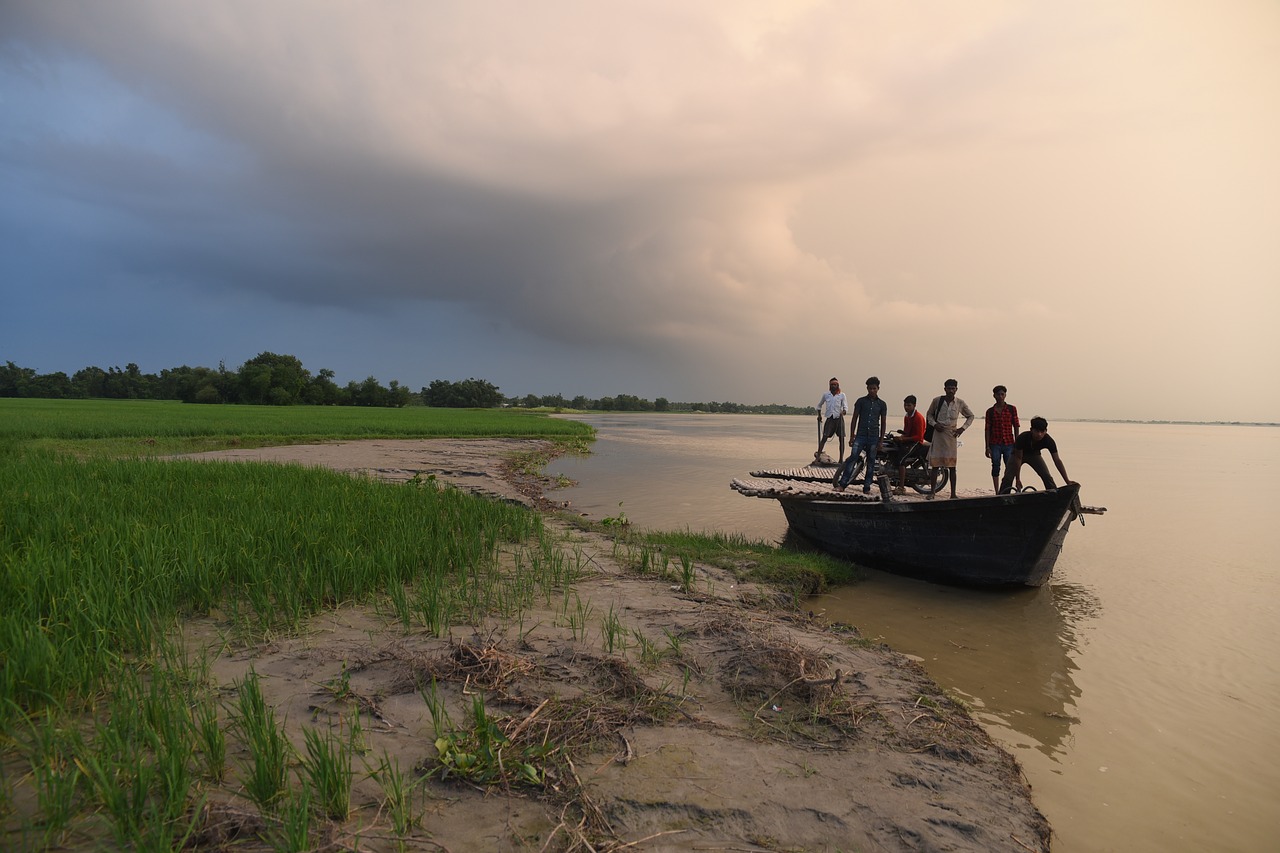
<point x="974" y="540"/>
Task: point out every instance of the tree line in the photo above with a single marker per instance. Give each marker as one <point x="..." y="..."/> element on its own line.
<point x="282" y="380"/>
<point x="267" y="379"/>
<point x="630" y="403"/>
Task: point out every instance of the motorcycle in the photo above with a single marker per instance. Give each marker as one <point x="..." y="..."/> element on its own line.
<point x="889" y="459"/>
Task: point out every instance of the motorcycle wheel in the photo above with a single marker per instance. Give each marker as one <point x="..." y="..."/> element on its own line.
<point x="923" y="488"/>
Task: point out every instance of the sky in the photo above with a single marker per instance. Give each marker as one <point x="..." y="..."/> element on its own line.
<point x="728" y="201"/>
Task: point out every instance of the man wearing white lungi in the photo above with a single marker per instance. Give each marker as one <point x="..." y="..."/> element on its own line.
<point x="944" y="413"/>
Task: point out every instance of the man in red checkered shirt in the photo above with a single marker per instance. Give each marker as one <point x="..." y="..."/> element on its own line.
<point x="1001" y="431"/>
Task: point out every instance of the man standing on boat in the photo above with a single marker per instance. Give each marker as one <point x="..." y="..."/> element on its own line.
<point x="833" y="407"/>
<point x="867" y="427"/>
<point x="943" y="414"/>
<point x="1000" y="426"/>
<point x="1027" y="450"/>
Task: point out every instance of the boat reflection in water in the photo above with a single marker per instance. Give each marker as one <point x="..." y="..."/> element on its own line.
<point x="1009" y="656"/>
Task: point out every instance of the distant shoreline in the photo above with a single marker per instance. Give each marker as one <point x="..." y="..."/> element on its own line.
<point x="1168" y="423"/>
<point x="810" y="414"/>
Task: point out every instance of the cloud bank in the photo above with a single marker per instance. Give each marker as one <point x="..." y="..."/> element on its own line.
<point x="699" y="201"/>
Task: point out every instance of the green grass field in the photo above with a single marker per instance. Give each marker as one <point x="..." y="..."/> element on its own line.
<point x="107" y="730"/>
<point x="143" y="427"/>
<point x="110" y="733"/>
<point x="103" y="548"/>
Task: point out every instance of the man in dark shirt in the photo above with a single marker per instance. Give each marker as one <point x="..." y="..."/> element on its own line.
<point x="1026" y="449"/>
<point x="870" y="418"/>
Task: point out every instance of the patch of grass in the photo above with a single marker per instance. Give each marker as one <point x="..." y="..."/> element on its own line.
<point x="616" y="521"/>
<point x="102" y="557"/>
<point x="266" y="774"/>
<point x="798" y="572"/>
<point x="532" y="462"/>
<point x="326" y="766"/>
<point x="293" y="835"/>
<point x="482" y="753"/>
<point x="399" y="792"/>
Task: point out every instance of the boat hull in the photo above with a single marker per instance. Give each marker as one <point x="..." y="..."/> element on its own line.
<point x="996" y="540"/>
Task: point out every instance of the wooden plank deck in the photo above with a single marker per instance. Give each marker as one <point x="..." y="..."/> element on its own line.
<point x="812" y="473"/>
<point x="759" y="487"/>
<point x="776" y="487"/>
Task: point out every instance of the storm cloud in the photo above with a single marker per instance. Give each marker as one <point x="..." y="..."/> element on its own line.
<point x="699" y="201"/>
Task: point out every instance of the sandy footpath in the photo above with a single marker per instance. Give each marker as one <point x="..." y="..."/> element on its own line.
<point x="718" y="721"/>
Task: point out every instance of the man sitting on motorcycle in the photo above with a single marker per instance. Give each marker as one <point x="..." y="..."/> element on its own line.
<point x="909" y="443"/>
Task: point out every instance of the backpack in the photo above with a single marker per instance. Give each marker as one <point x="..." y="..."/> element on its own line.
<point x="932" y="416"/>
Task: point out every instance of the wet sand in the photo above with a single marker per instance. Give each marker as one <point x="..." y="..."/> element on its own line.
<point x="758" y="728"/>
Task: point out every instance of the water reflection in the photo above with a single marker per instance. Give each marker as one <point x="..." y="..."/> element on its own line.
<point x="1010" y="655"/>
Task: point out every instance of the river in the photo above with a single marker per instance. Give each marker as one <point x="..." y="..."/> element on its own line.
<point x="1136" y="688"/>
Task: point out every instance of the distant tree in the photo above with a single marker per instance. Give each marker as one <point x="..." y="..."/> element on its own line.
<point x="631" y="403"/>
<point x="198" y="385"/>
<point x="662" y="404"/>
<point x="51" y="386"/>
<point x="480" y="393"/>
<point x="468" y="394"/>
<point x="14" y="379"/>
<point x="273" y="379"/>
<point x="579" y="402"/>
<point x="207" y="393"/>
<point x="127" y="384"/>
<point x="171" y="384"/>
<point x="442" y="393"/>
<point x="367" y="393"/>
<point x="90" y="381"/>
<point x="322" y="390"/>
<point x="397" y="395"/>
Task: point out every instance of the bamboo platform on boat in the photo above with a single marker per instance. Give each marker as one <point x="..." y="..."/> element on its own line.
<point x="813" y="483"/>
<point x="767" y="487"/>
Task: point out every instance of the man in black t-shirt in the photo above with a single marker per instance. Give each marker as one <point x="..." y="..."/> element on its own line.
<point x="1026" y="449"/>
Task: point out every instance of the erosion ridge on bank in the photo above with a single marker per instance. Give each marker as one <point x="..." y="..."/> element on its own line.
<point x="754" y="729"/>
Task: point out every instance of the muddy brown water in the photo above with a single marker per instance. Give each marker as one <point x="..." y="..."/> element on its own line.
<point x="1137" y="688"/>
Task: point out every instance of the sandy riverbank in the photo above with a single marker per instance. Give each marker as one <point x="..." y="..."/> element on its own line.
<point x="757" y="730"/>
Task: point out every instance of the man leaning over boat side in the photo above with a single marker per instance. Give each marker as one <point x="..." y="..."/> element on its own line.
<point x="943" y="414"/>
<point x="1026" y="450"/>
<point x="833" y="406"/>
<point x="867" y="427"/>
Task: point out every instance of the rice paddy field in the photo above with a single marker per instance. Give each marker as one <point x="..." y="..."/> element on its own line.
<point x="112" y="734"/>
<point x="142" y="427"/>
